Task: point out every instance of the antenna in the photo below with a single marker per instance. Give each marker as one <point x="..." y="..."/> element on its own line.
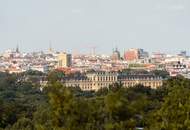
<point x="92" y="49"/>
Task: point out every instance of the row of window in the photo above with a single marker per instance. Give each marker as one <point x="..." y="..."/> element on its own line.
<point x="90" y="85"/>
<point x="86" y="88"/>
<point x="143" y="83"/>
<point x="99" y="84"/>
<point x="158" y="78"/>
<point x="110" y="78"/>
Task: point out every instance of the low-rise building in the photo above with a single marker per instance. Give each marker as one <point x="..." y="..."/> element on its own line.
<point x="97" y="80"/>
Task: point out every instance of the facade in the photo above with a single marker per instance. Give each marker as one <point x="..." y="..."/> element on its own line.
<point x="146" y="80"/>
<point x="135" y="54"/>
<point x="41" y="68"/>
<point x="143" y="54"/>
<point x="93" y="81"/>
<point x="177" y="68"/>
<point x="97" y="80"/>
<point x="64" y="60"/>
<point x="116" y="55"/>
<point x="131" y="55"/>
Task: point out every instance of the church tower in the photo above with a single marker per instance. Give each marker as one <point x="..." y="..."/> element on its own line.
<point x="17" y="49"/>
<point x="50" y="47"/>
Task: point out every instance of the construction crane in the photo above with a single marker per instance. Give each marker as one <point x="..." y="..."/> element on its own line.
<point x="92" y="49"/>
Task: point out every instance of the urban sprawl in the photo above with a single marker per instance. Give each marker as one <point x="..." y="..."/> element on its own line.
<point x="99" y="71"/>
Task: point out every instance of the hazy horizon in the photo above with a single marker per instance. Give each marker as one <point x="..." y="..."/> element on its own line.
<point x="77" y="26"/>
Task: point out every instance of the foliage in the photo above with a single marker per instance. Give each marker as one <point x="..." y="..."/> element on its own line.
<point x="18" y="101"/>
<point x="174" y="112"/>
<point x="55" y="75"/>
<point x="24" y="107"/>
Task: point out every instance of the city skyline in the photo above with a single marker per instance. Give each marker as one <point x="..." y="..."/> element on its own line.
<point x="91" y="50"/>
<point x="94" y="64"/>
<point x="78" y="26"/>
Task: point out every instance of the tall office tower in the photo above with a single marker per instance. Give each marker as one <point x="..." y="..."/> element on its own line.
<point x="64" y="60"/>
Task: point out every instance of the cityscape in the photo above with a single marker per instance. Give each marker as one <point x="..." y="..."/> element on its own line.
<point x="95" y="72"/>
<point x="94" y="65"/>
<point x="14" y="61"/>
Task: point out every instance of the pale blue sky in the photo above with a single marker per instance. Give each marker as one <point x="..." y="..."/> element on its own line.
<point x="77" y="25"/>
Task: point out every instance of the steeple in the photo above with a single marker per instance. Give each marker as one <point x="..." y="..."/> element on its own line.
<point x="50" y="47"/>
<point x="116" y="49"/>
<point x="17" y="49"/>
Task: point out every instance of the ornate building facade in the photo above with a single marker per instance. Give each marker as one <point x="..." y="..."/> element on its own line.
<point x="97" y="80"/>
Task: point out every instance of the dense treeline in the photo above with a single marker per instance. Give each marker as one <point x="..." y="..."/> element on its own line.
<point x="24" y="107"/>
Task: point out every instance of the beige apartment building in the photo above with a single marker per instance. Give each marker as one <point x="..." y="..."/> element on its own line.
<point x="97" y="80"/>
<point x="64" y="60"/>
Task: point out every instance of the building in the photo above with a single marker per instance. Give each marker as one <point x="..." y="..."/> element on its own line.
<point x="177" y="68"/>
<point x="132" y="55"/>
<point x="147" y="80"/>
<point x="135" y="54"/>
<point x="93" y="81"/>
<point x="64" y="60"/>
<point x="116" y="55"/>
<point x="41" y="68"/>
<point x="158" y="55"/>
<point x="143" y="54"/>
<point x="17" y="49"/>
<point x="183" y="53"/>
<point x="97" y="80"/>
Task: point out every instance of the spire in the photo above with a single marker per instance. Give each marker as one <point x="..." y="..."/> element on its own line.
<point x="116" y="49"/>
<point x="50" y="46"/>
<point x="17" y="48"/>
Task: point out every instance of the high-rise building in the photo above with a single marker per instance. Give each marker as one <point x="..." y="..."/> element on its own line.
<point x="135" y="54"/>
<point x="64" y="60"/>
<point x="132" y="54"/>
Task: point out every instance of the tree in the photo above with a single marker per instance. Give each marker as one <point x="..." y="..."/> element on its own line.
<point x="55" y="75"/>
<point x="174" y="113"/>
<point x="68" y="111"/>
<point x="18" y="101"/>
<point x="23" y="124"/>
<point x="119" y="112"/>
